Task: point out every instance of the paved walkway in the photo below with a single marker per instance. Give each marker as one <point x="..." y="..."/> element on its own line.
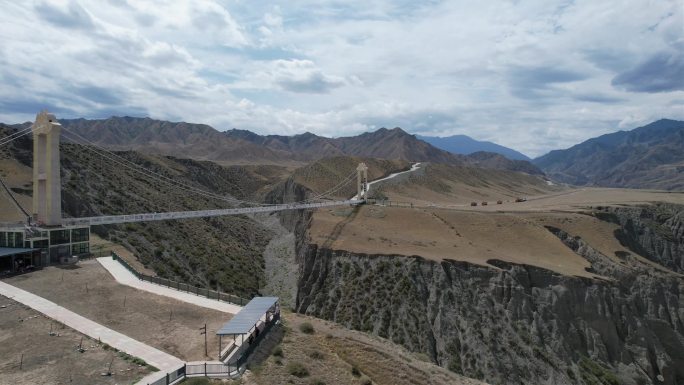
<point x="163" y="361"/>
<point x="125" y="277"/>
<point x="414" y="167"/>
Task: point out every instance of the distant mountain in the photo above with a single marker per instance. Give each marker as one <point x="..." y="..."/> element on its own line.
<point x="305" y="147"/>
<point x="395" y="144"/>
<point x="651" y="156"/>
<point x="499" y="162"/>
<point x="465" y="145"/>
<point x="383" y="143"/>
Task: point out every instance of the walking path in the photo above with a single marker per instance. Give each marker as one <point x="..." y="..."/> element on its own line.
<point x="165" y="362"/>
<point x="414" y="167"/>
<point x="125" y="277"/>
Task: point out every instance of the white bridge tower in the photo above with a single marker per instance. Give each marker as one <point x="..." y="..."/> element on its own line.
<point x="361" y="181"/>
<point x="47" y="189"/>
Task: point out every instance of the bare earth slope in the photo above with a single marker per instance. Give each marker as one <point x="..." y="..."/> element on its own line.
<point x="460" y="185"/>
<point x="335" y="355"/>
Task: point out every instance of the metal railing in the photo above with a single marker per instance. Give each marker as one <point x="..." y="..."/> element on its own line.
<point x="257" y="339"/>
<point x="208" y="293"/>
<point x="111" y="219"/>
<point x="217" y="370"/>
<point x="389" y="203"/>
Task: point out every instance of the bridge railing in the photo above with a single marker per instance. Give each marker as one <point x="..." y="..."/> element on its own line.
<point x="389" y="203"/>
<point x="180" y="286"/>
<point x="113" y="219"/>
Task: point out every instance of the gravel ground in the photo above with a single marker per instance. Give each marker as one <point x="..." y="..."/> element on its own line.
<point x="164" y="323"/>
<point x="54" y="359"/>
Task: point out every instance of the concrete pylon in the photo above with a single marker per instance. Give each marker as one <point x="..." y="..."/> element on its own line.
<point x="47" y="188"/>
<point x="361" y="180"/>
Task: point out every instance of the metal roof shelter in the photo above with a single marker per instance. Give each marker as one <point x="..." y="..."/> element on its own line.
<point x="5" y="251"/>
<point x="243" y="322"/>
<point x="247" y="328"/>
<point x="17" y="259"/>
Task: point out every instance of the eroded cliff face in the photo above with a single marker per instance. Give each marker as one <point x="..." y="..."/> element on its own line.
<point x="514" y="324"/>
<point x="655" y="232"/>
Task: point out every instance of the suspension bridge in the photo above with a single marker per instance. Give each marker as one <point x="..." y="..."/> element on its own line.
<point x="47" y="185"/>
<point x="45" y="227"/>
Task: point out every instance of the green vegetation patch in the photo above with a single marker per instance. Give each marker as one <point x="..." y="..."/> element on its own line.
<point x="306" y="328"/>
<point x="594" y="374"/>
<point x="296" y="369"/>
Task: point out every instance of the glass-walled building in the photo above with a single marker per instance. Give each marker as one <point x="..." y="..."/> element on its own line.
<point x="55" y="243"/>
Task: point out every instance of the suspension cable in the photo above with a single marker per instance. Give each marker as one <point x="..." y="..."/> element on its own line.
<point x="152" y="175"/>
<point x="14" y="136"/>
<point x="16" y="203"/>
<point x="192" y="188"/>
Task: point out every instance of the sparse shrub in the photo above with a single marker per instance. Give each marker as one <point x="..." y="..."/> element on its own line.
<point x="298" y="370"/>
<point x="317" y="381"/>
<point x="197" y="381"/>
<point x="306" y="328"/>
<point x="316" y="355"/>
<point x="455" y="365"/>
<point x="278" y="351"/>
<point x="278" y="362"/>
<point x="355" y="371"/>
<point x="423" y="357"/>
<point x="590" y="370"/>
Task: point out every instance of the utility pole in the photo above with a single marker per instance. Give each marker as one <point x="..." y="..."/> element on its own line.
<point x="203" y="330"/>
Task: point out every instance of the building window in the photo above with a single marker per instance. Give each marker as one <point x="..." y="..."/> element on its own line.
<point x="11" y="239"/>
<point x="80" y="248"/>
<point x="56" y="252"/>
<point x="80" y="235"/>
<point x="59" y="237"/>
<point x="41" y="244"/>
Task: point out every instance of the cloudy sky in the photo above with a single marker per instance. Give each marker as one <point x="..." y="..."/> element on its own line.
<point x="534" y="75"/>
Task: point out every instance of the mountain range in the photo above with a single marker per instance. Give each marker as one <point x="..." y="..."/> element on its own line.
<point x="651" y="156"/>
<point x="203" y="142"/>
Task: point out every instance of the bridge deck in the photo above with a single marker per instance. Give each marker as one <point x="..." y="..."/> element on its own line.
<point x="112" y="219"/>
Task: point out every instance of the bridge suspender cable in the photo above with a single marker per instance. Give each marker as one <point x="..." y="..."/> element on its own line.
<point x="159" y="177"/>
<point x="14" y="136"/>
<point x="16" y="203"/>
<point x="151" y="174"/>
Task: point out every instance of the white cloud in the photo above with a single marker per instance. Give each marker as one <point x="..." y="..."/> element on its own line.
<point x="534" y="75"/>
